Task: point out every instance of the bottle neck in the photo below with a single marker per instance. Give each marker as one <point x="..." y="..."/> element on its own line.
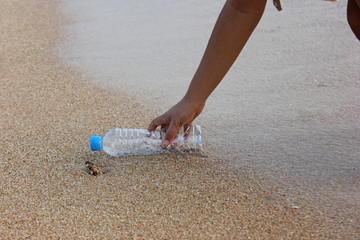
<point x="101" y="143"/>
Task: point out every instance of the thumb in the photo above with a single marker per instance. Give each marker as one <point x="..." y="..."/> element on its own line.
<point x="170" y="133"/>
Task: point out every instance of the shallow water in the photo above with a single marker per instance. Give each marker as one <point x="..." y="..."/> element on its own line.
<point x="288" y="109"/>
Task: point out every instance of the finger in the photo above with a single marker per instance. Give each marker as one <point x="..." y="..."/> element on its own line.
<point x="170" y="133"/>
<point x="174" y="143"/>
<point x="159" y="121"/>
<point x="152" y="126"/>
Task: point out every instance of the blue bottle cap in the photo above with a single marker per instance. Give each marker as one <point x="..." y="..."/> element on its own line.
<point x="95" y="143"/>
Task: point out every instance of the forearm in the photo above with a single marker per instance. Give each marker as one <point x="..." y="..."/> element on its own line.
<point x="233" y="28"/>
<point x="353" y="16"/>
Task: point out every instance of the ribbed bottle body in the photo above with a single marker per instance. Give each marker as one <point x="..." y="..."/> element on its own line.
<point x="121" y="142"/>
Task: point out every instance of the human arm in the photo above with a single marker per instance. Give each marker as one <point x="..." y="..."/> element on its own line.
<point x="233" y="28"/>
<point x="353" y="16"/>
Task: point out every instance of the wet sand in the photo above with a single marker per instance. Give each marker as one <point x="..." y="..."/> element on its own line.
<point x="48" y="112"/>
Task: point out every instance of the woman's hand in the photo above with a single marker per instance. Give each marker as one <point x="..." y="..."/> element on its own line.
<point x="180" y="115"/>
<point x="233" y="28"/>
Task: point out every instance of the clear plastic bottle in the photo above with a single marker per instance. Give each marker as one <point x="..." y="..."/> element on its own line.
<point x="120" y="142"/>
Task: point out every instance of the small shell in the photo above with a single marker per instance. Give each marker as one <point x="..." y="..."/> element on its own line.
<point x="93" y="169"/>
<point x="277" y="4"/>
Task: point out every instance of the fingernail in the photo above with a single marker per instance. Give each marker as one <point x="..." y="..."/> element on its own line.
<point x="165" y="143"/>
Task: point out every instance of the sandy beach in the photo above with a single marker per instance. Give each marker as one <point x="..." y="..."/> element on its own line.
<point x="49" y="110"/>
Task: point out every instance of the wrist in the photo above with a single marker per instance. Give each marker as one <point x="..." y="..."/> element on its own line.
<point x="195" y="99"/>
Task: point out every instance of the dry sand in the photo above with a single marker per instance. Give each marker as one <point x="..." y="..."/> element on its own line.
<point x="48" y="112"/>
